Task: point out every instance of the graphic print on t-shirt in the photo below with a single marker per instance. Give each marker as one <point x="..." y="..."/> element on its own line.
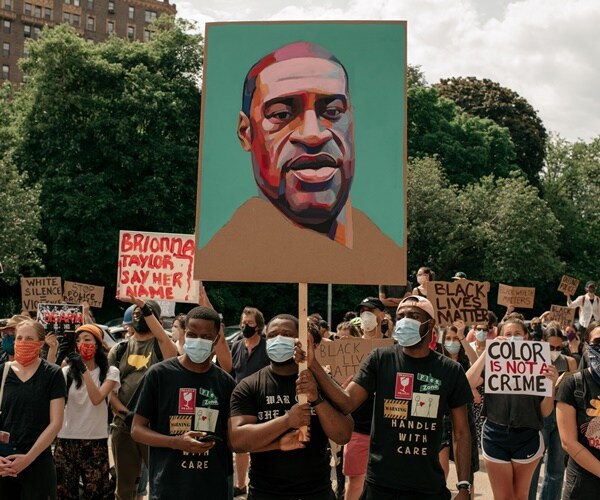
<point x="179" y="424"/>
<point x="206" y="419"/>
<point x="431" y="383"/>
<point x="404" y="385"/>
<point x="591" y="430"/>
<point x="187" y="401"/>
<point x="139" y="361"/>
<point x="392" y="408"/>
<point x="425" y="405"/>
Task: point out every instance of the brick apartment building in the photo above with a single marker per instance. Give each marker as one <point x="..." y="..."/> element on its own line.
<point x="94" y="20"/>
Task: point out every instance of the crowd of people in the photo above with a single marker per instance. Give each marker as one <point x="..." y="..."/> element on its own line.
<point x="186" y="415"/>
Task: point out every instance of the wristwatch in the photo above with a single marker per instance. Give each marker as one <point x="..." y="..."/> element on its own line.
<point x="317" y="401"/>
<point x="464" y="485"/>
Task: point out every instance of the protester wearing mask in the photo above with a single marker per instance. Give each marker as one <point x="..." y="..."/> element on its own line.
<point x="574" y="346"/>
<point x="413" y="385"/>
<point x="31" y="414"/>
<point x="265" y="420"/>
<point x="589" y="306"/>
<point x="133" y="357"/>
<point x="182" y="413"/>
<point x="81" y="451"/>
<point x="8" y="333"/>
<point x="512" y="440"/>
<point x="554" y="454"/>
<point x="424" y="275"/>
<point x="249" y="354"/>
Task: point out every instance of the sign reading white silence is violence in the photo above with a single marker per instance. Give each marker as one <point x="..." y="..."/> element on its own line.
<point x="517" y="367"/>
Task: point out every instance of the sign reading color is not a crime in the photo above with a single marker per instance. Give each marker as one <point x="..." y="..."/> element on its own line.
<point x="463" y="299"/>
<point x="517" y="367"/>
<point x="157" y="266"/>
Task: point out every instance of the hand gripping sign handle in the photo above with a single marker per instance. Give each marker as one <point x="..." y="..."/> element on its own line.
<point x="303" y="338"/>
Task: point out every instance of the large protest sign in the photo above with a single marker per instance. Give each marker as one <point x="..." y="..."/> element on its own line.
<point x="568" y="285"/>
<point x="78" y="293"/>
<point x="345" y="356"/>
<point x="564" y="315"/>
<point x="517" y="368"/>
<point x="157" y="266"/>
<point x="36" y="290"/>
<point x="518" y="296"/>
<point x="463" y="299"/>
<point x="60" y="318"/>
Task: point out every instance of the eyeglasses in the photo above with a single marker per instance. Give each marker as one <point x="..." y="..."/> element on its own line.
<point x="556" y="348"/>
<point x="595" y="342"/>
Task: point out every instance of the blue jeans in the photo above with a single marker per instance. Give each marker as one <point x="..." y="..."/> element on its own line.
<point x="555" y="463"/>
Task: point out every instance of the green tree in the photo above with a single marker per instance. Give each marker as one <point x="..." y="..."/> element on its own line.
<point x="111" y="133"/>
<point x="488" y="99"/>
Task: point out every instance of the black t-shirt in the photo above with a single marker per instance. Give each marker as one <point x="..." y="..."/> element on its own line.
<point x="588" y="428"/>
<point x="26" y="405"/>
<point x="395" y="292"/>
<point x="297" y="473"/>
<point x="176" y="400"/>
<point x="516" y="410"/>
<point x="244" y="365"/>
<point x="411" y="396"/>
<point x="363" y="416"/>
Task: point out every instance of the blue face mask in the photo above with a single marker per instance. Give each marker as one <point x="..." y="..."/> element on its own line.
<point x="481" y="335"/>
<point x="516" y="338"/>
<point x="407" y="332"/>
<point x="198" y="350"/>
<point x="280" y="349"/>
<point x="452" y="346"/>
<point x="8" y="344"/>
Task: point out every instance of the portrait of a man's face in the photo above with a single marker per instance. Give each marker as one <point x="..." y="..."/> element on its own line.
<point x="296" y="121"/>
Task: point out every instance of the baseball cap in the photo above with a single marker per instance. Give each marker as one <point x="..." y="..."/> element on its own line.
<point x="14" y="321"/>
<point x="459" y="276"/>
<point x="418" y="301"/>
<point x="590" y="283"/>
<point x="371" y="303"/>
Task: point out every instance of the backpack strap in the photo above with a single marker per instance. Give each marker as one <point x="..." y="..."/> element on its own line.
<point x="4" y="375"/>
<point x="578" y="392"/>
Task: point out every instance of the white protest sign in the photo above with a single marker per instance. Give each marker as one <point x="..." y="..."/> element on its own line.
<point x="517" y="367"/>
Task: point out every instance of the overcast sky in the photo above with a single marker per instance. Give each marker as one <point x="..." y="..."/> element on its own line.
<point x="548" y="51"/>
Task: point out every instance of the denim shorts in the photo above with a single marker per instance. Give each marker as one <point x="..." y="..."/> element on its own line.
<point x="502" y="444"/>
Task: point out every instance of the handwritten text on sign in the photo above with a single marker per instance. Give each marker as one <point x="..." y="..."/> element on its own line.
<point x="463" y="299"/>
<point x="36" y="290"/>
<point x="345" y="356"/>
<point x="564" y="315"/>
<point x="568" y="285"/>
<point x="517" y="367"/>
<point x="78" y="293"/>
<point x="518" y="296"/>
<point x="157" y="266"/>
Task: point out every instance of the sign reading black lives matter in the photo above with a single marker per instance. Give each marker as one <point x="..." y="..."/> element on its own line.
<point x="517" y="368"/>
<point x="463" y="299"/>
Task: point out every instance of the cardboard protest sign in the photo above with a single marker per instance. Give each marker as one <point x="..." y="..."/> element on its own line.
<point x="568" y="285"/>
<point x="344" y="356"/>
<point x="78" y="293"/>
<point x="157" y="266"/>
<point x="517" y="368"/>
<point x="60" y="318"/>
<point x="264" y="211"/>
<point x="564" y="315"/>
<point x="518" y="296"/>
<point x="463" y="299"/>
<point x="36" y="290"/>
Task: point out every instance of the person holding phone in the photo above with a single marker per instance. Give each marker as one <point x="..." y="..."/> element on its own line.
<point x="182" y="413"/>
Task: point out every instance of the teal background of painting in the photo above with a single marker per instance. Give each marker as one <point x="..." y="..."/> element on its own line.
<point x="374" y="56"/>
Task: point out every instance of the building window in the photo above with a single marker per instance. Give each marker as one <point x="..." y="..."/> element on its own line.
<point x="130" y="33"/>
<point x="27" y="8"/>
<point x="5" y="71"/>
<point x="90" y="41"/>
<point x="6" y="26"/>
<point x="8" y="4"/>
<point x="36" y="31"/>
<point x="91" y="23"/>
<point x="76" y="20"/>
<point x="25" y="51"/>
<point x="111" y="7"/>
<point x="76" y="3"/>
<point x="37" y="11"/>
<point x="6" y="49"/>
<point x="131" y="12"/>
<point x="147" y="36"/>
<point x="90" y="4"/>
<point x="47" y="13"/>
<point x="26" y="30"/>
<point x="68" y="2"/>
<point x="110" y="27"/>
<point x="67" y="17"/>
<point x="150" y="16"/>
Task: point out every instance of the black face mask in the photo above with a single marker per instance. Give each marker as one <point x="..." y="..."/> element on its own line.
<point x="385" y="327"/>
<point x="248" y="331"/>
<point x="140" y="325"/>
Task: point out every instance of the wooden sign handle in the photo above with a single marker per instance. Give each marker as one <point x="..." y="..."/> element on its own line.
<point x="303" y="338"/>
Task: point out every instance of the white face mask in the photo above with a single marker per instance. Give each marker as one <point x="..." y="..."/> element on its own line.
<point x="369" y="321"/>
<point x="554" y="355"/>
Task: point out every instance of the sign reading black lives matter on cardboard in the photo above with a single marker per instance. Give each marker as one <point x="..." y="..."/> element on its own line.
<point x="564" y="315"/>
<point x="344" y="356"/>
<point x="518" y="296"/>
<point x="36" y="290"/>
<point x="60" y="318"/>
<point x="517" y="367"/>
<point x="157" y="266"/>
<point x="463" y="299"/>
<point x="78" y="293"/>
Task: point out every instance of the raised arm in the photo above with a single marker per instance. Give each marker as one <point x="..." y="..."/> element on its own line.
<point x="474" y="373"/>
